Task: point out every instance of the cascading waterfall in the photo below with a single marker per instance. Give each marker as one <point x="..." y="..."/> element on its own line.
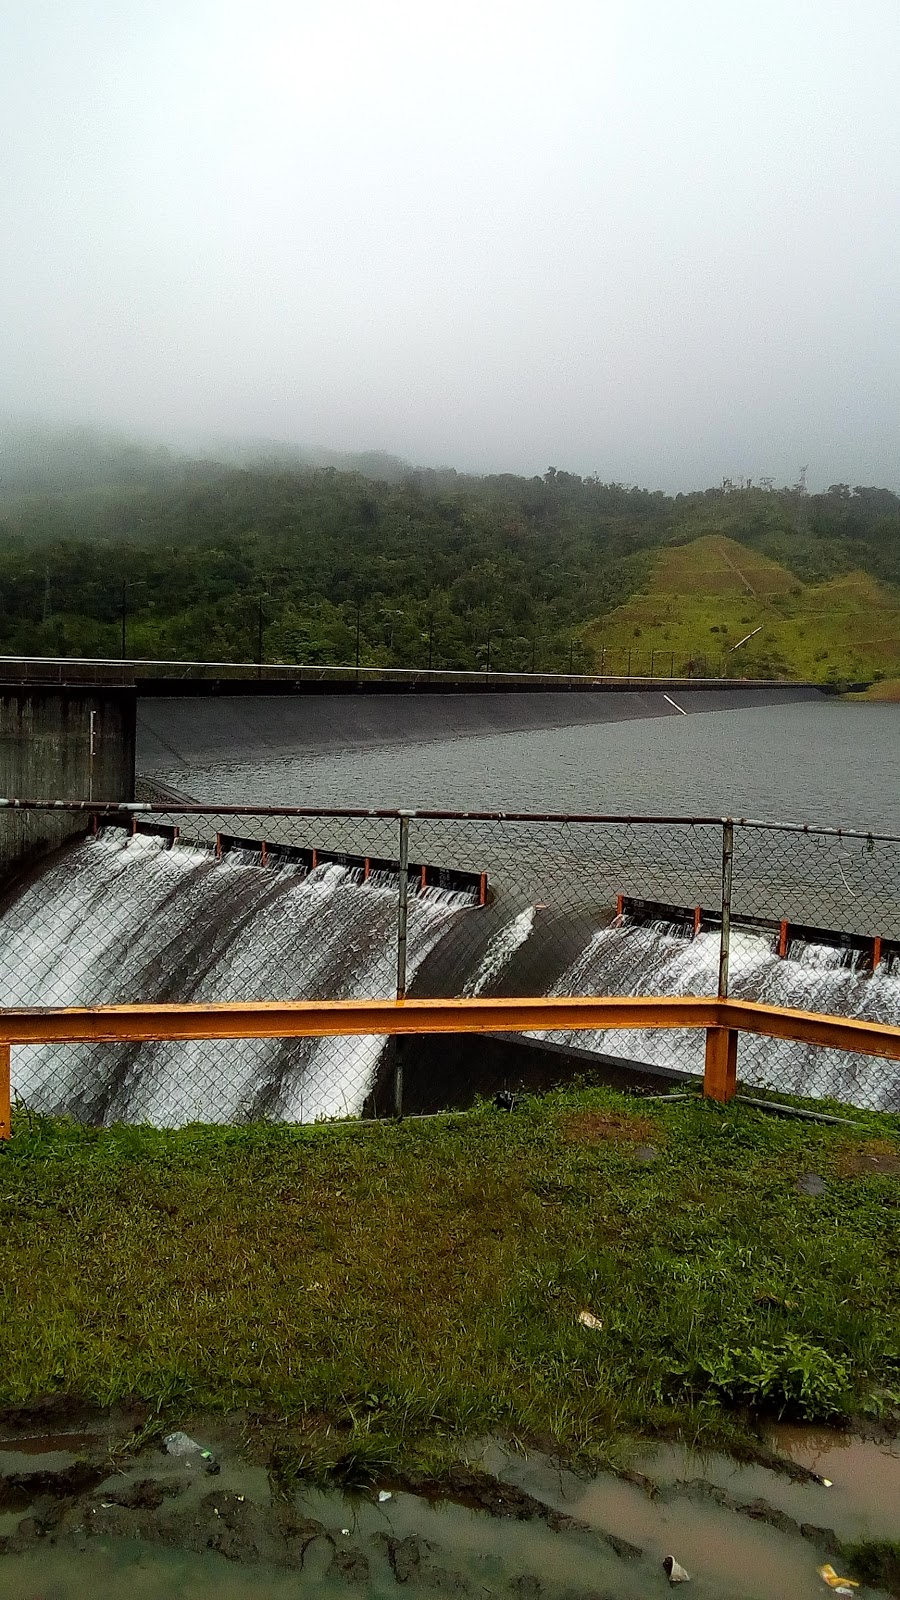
<point x="500" y="951"/>
<point x="122" y="918"/>
<point x="661" y="958"/>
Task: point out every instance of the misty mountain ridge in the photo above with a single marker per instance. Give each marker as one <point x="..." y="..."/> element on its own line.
<point x="38" y="457"/>
<point x="41" y="457"/>
<point x="113" y="548"/>
<point x="378" y="465"/>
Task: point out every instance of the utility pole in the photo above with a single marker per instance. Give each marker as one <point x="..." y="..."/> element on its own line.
<point x="260" y="623"/>
<point x="124" y="613"/>
<point x="358" y="609"/>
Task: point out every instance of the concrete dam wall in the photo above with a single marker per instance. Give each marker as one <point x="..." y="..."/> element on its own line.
<point x="182" y="730"/>
<point x="66" y="743"/>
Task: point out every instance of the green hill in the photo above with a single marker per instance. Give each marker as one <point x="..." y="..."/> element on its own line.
<point x="108" y="546"/>
<point x="701" y="599"/>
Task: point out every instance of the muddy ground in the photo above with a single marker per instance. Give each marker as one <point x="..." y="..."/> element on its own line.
<point x="78" y="1481"/>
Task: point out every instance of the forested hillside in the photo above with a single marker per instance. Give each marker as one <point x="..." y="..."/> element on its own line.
<point x="202" y="560"/>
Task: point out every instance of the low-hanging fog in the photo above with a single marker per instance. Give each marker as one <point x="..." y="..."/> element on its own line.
<point x="656" y="241"/>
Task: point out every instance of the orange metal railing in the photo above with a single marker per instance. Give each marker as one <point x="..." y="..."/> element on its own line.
<point x="722" y="1020"/>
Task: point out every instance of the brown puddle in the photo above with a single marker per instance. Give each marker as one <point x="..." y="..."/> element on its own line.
<point x="44" y="1444"/>
<point x="723" y="1552"/>
<point x="748" y="1548"/>
<point x="865" y="1474"/>
<point x="612" y="1535"/>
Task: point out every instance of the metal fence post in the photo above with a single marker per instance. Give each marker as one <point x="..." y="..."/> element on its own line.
<point x="720" y="1065"/>
<point x="725" y="940"/>
<point x="402" y="920"/>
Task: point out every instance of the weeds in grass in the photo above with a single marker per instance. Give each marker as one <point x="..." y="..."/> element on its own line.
<point x="792" y="1378"/>
<point x="877" y="1562"/>
<point x="139" y="1439"/>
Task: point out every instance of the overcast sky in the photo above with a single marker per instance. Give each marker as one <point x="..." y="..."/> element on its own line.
<point x="655" y="239"/>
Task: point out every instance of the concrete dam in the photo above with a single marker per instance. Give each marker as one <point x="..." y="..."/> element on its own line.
<point x="262" y="724"/>
<point x="113" y="917"/>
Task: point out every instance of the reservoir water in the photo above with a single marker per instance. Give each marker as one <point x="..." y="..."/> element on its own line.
<point x="821" y="761"/>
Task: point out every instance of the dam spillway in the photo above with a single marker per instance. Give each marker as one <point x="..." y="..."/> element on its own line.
<point x="122" y="918"/>
<point x="630" y="958"/>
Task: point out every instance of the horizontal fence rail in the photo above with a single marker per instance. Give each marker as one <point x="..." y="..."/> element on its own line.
<point x="184" y="804"/>
<point x="608" y="937"/>
<point x="722" y="1021"/>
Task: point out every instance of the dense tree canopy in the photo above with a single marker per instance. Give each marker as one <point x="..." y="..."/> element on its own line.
<point x="204" y="558"/>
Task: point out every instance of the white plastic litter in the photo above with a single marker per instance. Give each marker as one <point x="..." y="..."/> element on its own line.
<point x="384" y="1494"/>
<point x="181" y="1444"/>
<point x="588" y="1320"/>
<point x="675" y="1572"/>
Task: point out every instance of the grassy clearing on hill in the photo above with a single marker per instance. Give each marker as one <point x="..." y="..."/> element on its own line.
<point x="886" y="690"/>
<point x="703" y="597"/>
<point x="382" y="1291"/>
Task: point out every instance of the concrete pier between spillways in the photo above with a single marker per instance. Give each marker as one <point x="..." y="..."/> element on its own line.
<point x="193" y="729"/>
<point x="65" y="743"/>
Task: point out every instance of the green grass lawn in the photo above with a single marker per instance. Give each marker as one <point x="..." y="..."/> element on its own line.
<point x="385" y="1290"/>
<point x="702" y="598"/>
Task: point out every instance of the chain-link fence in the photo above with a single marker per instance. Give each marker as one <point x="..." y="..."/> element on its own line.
<point x="171" y="902"/>
<point x="828" y="910"/>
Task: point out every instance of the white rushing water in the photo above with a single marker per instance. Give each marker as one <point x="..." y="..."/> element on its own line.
<point x="120" y="918"/>
<point x="659" y="958"/>
<point x="500" y="951"/>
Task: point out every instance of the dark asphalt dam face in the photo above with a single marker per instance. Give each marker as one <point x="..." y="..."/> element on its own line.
<point x="205" y="730"/>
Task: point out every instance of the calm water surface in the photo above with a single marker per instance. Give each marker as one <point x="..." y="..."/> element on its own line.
<point x="825" y="762"/>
